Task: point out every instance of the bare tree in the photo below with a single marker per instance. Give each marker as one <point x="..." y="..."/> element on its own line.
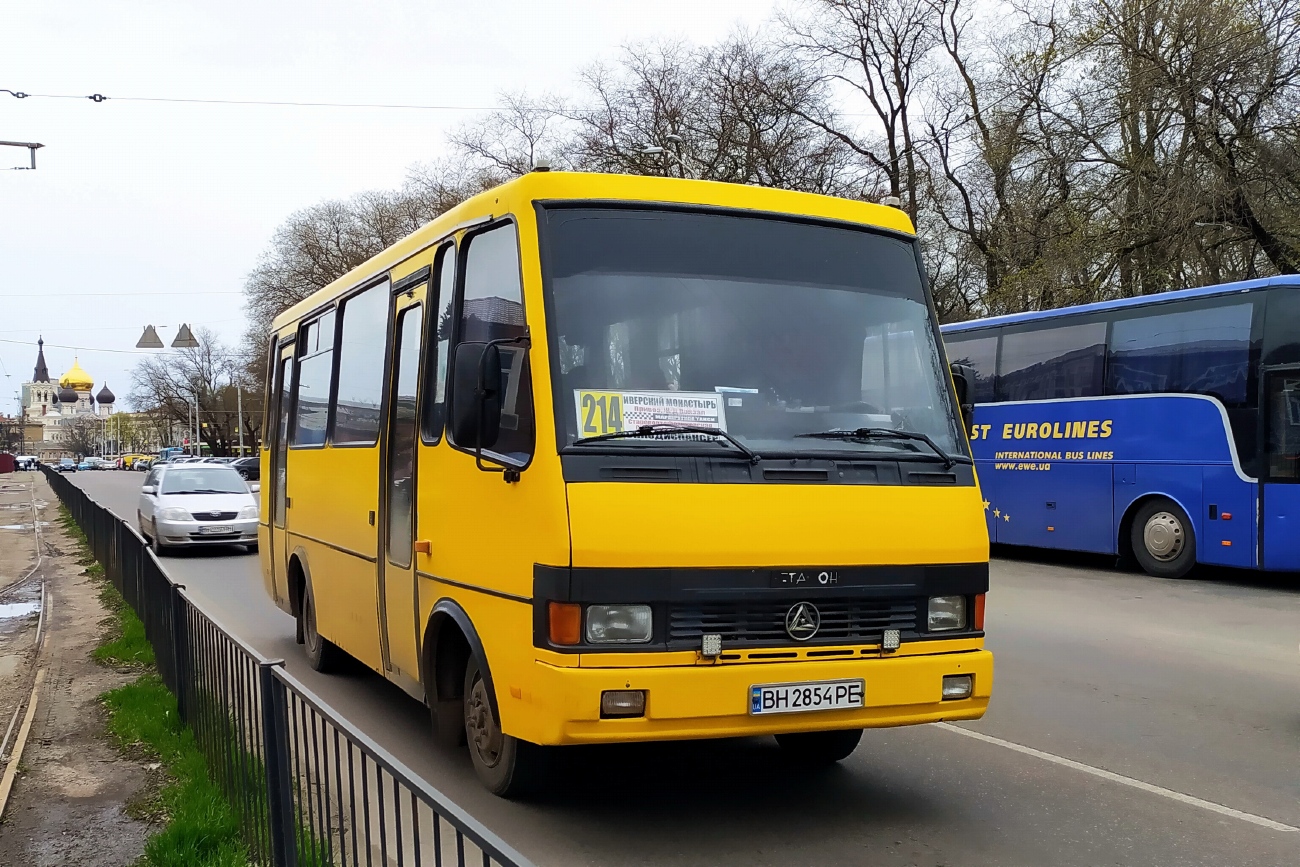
<point x="203" y="380"/>
<point x="878" y="53"/>
<point x="81" y="434"/>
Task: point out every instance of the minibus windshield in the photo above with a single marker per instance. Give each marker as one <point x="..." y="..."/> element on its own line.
<point x="771" y="330"/>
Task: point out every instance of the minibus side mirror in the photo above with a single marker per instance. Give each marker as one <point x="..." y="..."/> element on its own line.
<point x="963" y="378"/>
<point x="476" y="396"/>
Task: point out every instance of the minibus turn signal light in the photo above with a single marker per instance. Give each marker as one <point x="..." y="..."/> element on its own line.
<point x="979" y="612"/>
<point x="565" y="620"/>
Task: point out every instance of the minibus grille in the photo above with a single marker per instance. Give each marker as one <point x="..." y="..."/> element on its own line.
<point x="850" y="621"/>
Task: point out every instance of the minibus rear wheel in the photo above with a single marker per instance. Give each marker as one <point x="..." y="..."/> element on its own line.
<point x="505" y="765"/>
<point x="1162" y="538"/>
<point x="321" y="652"/>
<point x="820" y="748"/>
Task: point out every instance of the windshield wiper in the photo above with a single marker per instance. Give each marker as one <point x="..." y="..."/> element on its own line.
<point x="652" y="430"/>
<point x="865" y="434"/>
<point x="203" y="491"/>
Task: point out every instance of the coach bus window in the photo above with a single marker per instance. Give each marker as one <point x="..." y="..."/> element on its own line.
<point x="1205" y="351"/>
<point x="980" y="353"/>
<point x="1282" y="326"/>
<point x="361" y="367"/>
<point x="445" y="280"/>
<point x="769" y="329"/>
<point x="1052" y="362"/>
<point x="315" y="364"/>
<point x="493" y="309"/>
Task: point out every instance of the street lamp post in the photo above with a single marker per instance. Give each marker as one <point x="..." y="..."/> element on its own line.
<point x="184" y="339"/>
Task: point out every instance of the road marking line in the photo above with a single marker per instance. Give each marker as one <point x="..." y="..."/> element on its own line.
<point x="1122" y="780"/>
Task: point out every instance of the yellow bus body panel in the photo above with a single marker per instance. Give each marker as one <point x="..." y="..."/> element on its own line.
<point x="772" y="525"/>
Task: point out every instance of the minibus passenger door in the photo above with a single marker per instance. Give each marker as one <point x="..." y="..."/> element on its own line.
<point x="277" y="481"/>
<point x="1279" y="482"/>
<point x="397" y="499"/>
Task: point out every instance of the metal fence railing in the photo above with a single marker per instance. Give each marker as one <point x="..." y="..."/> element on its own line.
<point x="308" y="787"/>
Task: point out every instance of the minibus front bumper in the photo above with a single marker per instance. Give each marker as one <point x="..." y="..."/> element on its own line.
<point x="713" y="700"/>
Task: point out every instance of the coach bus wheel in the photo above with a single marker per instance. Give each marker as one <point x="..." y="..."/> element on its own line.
<point x="321" y="652"/>
<point x="505" y="765"/>
<point x="820" y="748"/>
<point x="1162" y="539"/>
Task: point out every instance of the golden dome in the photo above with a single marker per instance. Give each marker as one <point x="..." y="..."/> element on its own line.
<point x="76" y="378"/>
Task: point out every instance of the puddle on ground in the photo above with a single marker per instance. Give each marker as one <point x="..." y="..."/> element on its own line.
<point x="18" y="609"/>
<point x="21" y="526"/>
<point x="9" y="665"/>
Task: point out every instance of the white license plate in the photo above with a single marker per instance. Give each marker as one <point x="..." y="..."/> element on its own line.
<point x="804" y="697"/>
<point x="215" y="531"/>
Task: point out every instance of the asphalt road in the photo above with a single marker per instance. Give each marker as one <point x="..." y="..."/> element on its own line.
<point x="1134" y="721"/>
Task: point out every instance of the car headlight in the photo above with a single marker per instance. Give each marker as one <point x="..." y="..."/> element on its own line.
<point x="618" y="624"/>
<point x="247" y="512"/>
<point x="175" y="514"/>
<point x="946" y="613"/>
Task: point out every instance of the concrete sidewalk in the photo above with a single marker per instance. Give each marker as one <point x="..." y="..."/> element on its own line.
<point x="71" y="788"/>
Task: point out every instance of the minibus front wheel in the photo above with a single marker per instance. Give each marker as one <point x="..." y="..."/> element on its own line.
<point x="505" y="765"/>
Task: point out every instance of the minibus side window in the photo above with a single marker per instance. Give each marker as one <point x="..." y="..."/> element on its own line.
<point x="493" y="309"/>
<point x="361" y="367"/>
<point x="443" y="322"/>
<point x="315" y="366"/>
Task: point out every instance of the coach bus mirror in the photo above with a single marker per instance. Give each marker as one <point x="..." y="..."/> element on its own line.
<point x="963" y="378"/>
<point x="476" y="395"/>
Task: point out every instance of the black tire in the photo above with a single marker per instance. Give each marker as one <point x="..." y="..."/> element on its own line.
<point x="448" y="719"/>
<point x="506" y="766"/>
<point x="1162" y="539"/>
<point x="820" y="748"/>
<point x="155" y="544"/>
<point x="251" y="548"/>
<point x="322" y="654"/>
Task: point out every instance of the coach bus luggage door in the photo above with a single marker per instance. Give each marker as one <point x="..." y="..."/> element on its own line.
<point x="281" y="398"/>
<point x="1279" y="483"/>
<point x="397" y="614"/>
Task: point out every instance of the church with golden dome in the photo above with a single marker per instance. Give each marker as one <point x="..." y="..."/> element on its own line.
<point x="50" y="405"/>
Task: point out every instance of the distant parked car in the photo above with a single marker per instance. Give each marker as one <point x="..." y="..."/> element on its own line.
<point x="141" y="464"/>
<point x="197" y="504"/>
<point x="249" y="468"/>
<point x="66" y="465"/>
<point x="87" y="465"/>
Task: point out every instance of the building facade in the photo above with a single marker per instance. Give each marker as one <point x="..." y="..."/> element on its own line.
<point x="50" y="408"/>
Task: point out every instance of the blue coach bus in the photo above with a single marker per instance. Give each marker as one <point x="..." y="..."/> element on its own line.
<point x="1164" y="428"/>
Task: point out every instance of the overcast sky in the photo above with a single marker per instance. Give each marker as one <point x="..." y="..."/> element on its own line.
<point x="153" y="212"/>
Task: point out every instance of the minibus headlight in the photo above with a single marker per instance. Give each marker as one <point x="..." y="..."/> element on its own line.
<point x="946" y="613"/>
<point x="618" y="624"/>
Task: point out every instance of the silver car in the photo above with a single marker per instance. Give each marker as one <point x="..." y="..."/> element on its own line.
<point x="197" y="504"/>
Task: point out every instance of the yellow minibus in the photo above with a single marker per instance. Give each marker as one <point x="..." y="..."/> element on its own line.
<point x="595" y="458"/>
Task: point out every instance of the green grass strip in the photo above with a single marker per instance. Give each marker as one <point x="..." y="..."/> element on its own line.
<point x="201" y="828"/>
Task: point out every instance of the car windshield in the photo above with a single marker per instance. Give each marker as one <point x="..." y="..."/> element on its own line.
<point x="767" y="329"/>
<point x="203" y="480"/>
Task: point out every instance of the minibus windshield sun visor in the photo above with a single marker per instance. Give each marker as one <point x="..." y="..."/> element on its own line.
<point x="756" y="329"/>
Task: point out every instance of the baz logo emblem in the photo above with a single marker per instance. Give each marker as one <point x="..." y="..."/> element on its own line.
<point x="824" y="578"/>
<point x="802" y="621"/>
